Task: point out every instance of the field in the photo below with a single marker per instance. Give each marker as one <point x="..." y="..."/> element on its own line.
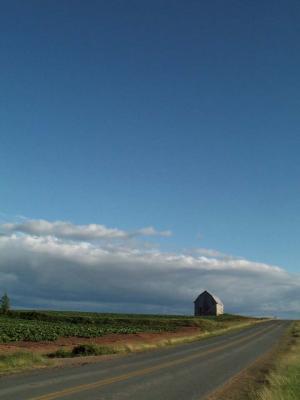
<point x="31" y="339"/>
<point x="36" y="326"/>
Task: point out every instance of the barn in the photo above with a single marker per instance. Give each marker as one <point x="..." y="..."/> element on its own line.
<point x="208" y="304"/>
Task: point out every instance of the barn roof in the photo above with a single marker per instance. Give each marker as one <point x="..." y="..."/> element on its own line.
<point x="216" y="298"/>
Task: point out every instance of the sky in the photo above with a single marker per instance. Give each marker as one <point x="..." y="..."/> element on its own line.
<point x="150" y="150"/>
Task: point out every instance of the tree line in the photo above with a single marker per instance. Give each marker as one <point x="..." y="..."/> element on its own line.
<point x="4" y="304"/>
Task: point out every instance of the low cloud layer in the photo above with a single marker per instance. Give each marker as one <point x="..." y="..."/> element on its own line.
<point x="60" y="265"/>
<point x="67" y="230"/>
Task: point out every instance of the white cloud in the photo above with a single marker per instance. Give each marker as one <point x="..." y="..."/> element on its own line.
<point x="42" y="267"/>
<point x="150" y="231"/>
<point x="67" y="230"/>
<point x="44" y="270"/>
<point x="210" y="253"/>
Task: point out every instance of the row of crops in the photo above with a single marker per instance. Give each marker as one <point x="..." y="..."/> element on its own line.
<point x="48" y="326"/>
<point x="39" y="326"/>
<point x="15" y="330"/>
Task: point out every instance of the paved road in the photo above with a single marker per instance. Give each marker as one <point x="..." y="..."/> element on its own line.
<point x="188" y="371"/>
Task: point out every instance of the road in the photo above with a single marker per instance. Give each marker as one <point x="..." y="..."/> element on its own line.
<point x="189" y="371"/>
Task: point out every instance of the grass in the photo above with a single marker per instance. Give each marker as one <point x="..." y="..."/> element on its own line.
<point x="21" y="361"/>
<point x="84" y="350"/>
<point x="283" y="381"/>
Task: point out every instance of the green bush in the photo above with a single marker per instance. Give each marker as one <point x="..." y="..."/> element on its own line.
<point x="60" y="353"/>
<point x="91" y="350"/>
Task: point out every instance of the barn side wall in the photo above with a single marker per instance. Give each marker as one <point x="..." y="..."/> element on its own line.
<point x="219" y="309"/>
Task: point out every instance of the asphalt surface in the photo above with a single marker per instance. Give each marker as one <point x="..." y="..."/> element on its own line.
<point x="189" y="371"/>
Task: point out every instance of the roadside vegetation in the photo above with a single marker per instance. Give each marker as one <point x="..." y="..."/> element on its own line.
<point x="21" y="361"/>
<point x="84" y="350"/>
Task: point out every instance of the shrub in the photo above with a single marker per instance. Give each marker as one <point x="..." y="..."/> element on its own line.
<point x="60" y="353"/>
<point x="91" y="350"/>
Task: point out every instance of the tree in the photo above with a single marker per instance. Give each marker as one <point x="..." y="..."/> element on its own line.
<point x="5" y="304"/>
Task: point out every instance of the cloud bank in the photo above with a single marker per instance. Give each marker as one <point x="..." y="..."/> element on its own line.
<point x="61" y="265"/>
<point x="67" y="230"/>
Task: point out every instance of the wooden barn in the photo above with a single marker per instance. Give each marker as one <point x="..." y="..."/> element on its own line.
<point x="208" y="304"/>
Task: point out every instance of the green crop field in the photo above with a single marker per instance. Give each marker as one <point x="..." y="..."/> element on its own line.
<point x="50" y="325"/>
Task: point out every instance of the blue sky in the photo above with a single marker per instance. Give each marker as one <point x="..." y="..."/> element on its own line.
<point x="181" y="115"/>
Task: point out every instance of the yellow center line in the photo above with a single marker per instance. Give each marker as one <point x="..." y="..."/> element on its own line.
<point x="145" y="371"/>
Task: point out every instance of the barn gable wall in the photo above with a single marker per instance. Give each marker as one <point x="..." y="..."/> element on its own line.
<point x="205" y="304"/>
